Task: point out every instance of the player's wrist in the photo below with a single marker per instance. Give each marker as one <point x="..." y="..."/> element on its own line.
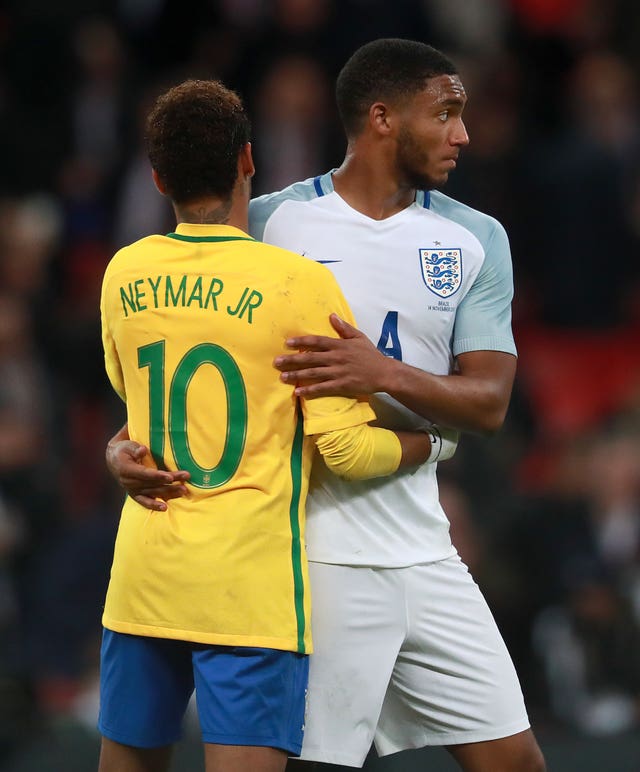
<point x="390" y="376"/>
<point x="444" y="442"/>
<point x="450" y="438"/>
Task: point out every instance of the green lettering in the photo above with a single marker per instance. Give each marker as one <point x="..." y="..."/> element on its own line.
<point x="139" y="295"/>
<point x="215" y="288"/>
<point x="154" y="289"/>
<point x="237" y="308"/>
<point x="196" y="292"/>
<point x="179" y="295"/>
<point x="253" y="301"/>
<point x="247" y="302"/>
<point x="127" y="300"/>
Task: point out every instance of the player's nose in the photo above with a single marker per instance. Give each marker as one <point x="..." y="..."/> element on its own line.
<point x="460" y="137"/>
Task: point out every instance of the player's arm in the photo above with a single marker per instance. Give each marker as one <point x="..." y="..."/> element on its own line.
<point x="129" y="463"/>
<point x="361" y="452"/>
<point x="355" y="453"/>
<point x="474" y="399"/>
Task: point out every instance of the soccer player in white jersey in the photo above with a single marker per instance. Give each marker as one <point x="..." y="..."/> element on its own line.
<point x="407" y="653"/>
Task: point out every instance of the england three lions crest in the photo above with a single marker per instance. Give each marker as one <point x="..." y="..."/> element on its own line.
<point x="442" y="270"/>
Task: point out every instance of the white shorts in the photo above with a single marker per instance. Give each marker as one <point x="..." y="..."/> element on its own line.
<point x="405" y="657"/>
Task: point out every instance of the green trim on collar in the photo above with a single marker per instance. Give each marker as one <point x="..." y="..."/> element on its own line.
<point x="182" y="237"/>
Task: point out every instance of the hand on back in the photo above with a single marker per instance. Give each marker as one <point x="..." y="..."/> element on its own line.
<point x="348" y="366"/>
<point x="148" y="486"/>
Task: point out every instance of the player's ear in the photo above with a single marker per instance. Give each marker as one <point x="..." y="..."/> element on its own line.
<point x="245" y="160"/>
<point x="158" y="182"/>
<point x="379" y="118"/>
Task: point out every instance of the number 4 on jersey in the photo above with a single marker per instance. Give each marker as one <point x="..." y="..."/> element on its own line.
<point x="389" y="343"/>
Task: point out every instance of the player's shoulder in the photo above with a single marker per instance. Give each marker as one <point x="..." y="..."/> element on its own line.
<point x="136" y="251"/>
<point x="294" y="263"/>
<point x="263" y="207"/>
<point x="483" y="226"/>
<point x="304" y="190"/>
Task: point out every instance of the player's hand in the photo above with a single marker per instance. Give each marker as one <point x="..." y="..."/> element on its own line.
<point x="149" y="486"/>
<point x="349" y="366"/>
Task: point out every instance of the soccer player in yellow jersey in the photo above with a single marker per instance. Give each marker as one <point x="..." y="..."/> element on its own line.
<point x="213" y="592"/>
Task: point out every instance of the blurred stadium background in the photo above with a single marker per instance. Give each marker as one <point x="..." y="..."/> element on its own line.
<point x="547" y="514"/>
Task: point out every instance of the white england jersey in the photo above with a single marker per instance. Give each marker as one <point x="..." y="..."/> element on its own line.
<point x="429" y="283"/>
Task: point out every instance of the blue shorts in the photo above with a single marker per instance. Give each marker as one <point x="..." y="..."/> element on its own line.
<point x="245" y="695"/>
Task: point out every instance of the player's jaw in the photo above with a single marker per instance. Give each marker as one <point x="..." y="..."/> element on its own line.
<point x="422" y="167"/>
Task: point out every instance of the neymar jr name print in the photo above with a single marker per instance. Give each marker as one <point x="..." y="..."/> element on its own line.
<point x="441" y="270"/>
<point x="187" y="291"/>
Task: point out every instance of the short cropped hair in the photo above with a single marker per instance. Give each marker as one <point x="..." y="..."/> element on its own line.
<point x="194" y="134"/>
<point x="388" y="69"/>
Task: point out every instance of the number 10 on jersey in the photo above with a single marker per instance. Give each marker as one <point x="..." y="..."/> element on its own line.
<point x="172" y="418"/>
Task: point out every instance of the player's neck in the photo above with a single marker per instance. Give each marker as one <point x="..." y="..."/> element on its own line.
<point x="214" y="211"/>
<point x="369" y="188"/>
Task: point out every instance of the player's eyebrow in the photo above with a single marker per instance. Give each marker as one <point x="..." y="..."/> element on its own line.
<point x="450" y="103"/>
<point x="451" y="100"/>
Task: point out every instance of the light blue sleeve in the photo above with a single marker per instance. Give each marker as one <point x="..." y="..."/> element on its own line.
<point x="262" y="207"/>
<point x="483" y="318"/>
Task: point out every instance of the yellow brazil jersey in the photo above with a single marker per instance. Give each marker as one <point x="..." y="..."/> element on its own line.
<point x="191" y="323"/>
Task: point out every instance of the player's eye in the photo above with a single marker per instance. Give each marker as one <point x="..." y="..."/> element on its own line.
<point x="444" y="115"/>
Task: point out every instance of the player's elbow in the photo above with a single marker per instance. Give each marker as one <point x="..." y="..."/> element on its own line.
<point x="341" y="469"/>
<point x="493" y="423"/>
<point x="491" y="420"/>
<point x="360" y="452"/>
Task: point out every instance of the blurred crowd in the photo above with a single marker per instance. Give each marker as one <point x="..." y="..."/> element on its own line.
<point x="547" y="513"/>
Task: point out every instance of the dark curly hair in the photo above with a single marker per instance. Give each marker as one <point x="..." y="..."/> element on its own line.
<point x="194" y="133"/>
<point x="388" y="69"/>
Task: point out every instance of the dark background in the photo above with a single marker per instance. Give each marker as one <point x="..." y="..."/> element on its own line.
<point x="547" y="513"/>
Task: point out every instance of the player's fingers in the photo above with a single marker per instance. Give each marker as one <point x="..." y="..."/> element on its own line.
<point x="302" y="361"/>
<point x="147" y="502"/>
<point x="165" y="492"/>
<point x="316" y="375"/>
<point x="142" y="476"/>
<point x="324" y="389"/>
<point x="311" y="342"/>
<point x="173" y="492"/>
<point x="344" y="329"/>
<point x="154" y="498"/>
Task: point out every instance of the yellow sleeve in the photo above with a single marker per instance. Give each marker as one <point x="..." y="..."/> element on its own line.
<point x="360" y="452"/>
<point x="111" y="359"/>
<point x="325" y="414"/>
